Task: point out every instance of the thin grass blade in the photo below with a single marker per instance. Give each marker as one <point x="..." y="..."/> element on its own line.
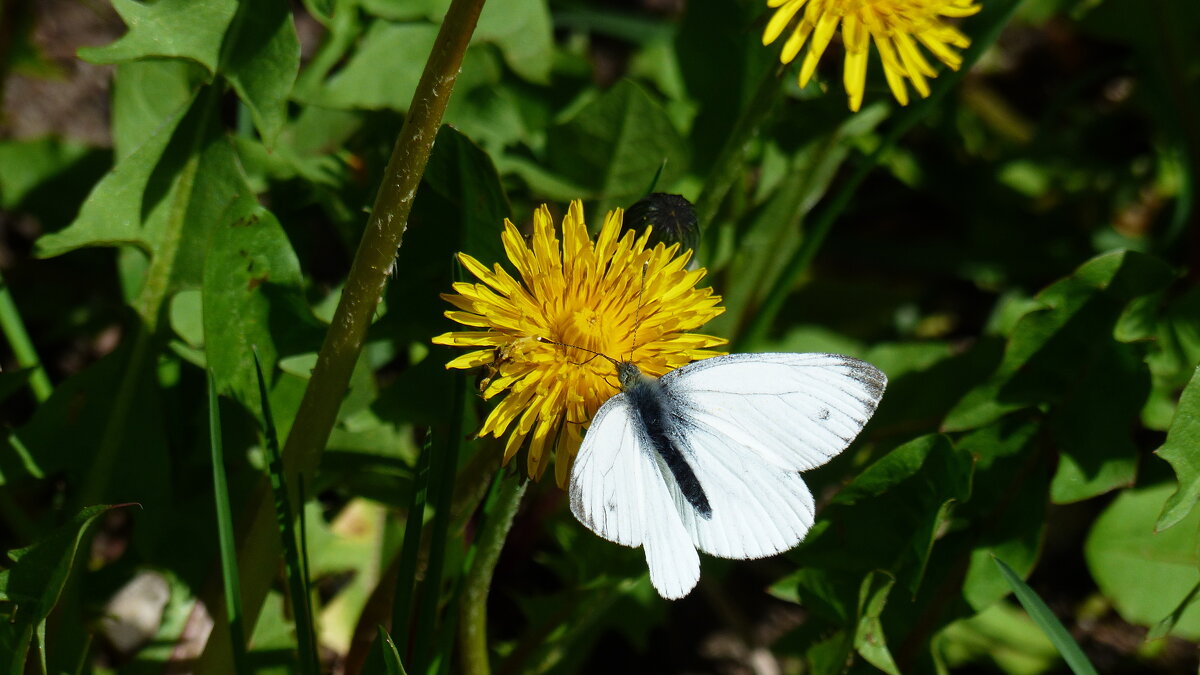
<point x="406" y="575"/>
<point x="1045" y="619"/>
<point x="229" y="567"/>
<point x="442" y="469"/>
<point x="391" y="657"/>
<point x="293" y="557"/>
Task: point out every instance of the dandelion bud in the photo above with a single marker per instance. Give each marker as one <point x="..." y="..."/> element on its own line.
<point x="671" y="217"/>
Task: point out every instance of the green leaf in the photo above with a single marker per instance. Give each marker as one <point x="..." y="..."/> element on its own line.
<point x="615" y="145"/>
<point x="263" y="63"/>
<point x="182" y="29"/>
<point x="146" y="94"/>
<point x="1046" y="620"/>
<point x="1092" y="426"/>
<point x="1002" y="634"/>
<point x="521" y="29"/>
<point x="251" y="276"/>
<point x="1146" y="574"/>
<point x="1180" y="451"/>
<point x="39" y="572"/>
<point x="869" y="639"/>
<point x="888" y="518"/>
<point x="114" y="211"/>
<point x="1050" y="348"/>
<point x="383" y="71"/>
<point x="1007" y="510"/>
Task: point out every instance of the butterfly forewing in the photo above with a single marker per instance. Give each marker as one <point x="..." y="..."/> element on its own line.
<point x="793" y="410"/>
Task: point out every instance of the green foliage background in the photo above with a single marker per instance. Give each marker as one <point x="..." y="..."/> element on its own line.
<point x="1021" y="263"/>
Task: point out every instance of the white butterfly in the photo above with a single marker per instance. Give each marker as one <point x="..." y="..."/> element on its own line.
<point x="709" y="456"/>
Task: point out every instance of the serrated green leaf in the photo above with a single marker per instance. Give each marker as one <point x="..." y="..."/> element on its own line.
<point x="1050" y="348"/>
<point x="39" y="572"/>
<point x="113" y="213"/>
<point x="263" y="62"/>
<point x="250" y="273"/>
<point x="615" y="145"/>
<point x="182" y="29"/>
<point x="1143" y="572"/>
<point x="1180" y="451"/>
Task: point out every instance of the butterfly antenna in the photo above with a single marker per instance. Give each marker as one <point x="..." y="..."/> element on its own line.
<point x="637" y="313"/>
<point x="593" y="352"/>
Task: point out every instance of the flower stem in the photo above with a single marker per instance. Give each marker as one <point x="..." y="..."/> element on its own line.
<point x="473" y="610"/>
<point x="259" y="547"/>
<point x="732" y="160"/>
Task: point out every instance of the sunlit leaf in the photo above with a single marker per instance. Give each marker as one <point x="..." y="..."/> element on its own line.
<point x="168" y="29"/>
<point x="1146" y="573"/>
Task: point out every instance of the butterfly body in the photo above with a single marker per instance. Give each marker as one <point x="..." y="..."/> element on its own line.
<point x="709" y="456"/>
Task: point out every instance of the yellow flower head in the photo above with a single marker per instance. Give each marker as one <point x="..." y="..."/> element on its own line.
<point x="896" y="26"/>
<point x="615" y="297"/>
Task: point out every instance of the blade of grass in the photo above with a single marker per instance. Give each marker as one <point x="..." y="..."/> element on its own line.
<point x="1045" y="619"/>
<point x="991" y="21"/>
<point x="22" y="347"/>
<point x="229" y="570"/>
<point x="292" y="555"/>
<point x="406" y="575"/>
<point x="391" y="657"/>
<point x="442" y="469"/>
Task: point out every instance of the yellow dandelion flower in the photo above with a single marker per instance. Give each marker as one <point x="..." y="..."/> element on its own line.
<point x="616" y="296"/>
<point x="896" y="26"/>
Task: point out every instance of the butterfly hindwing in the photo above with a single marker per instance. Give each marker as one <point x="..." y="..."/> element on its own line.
<point x="748" y="423"/>
<point x="620" y="492"/>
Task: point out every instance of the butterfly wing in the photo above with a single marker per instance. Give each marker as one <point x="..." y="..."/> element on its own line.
<point x="748" y="424"/>
<point x="620" y="492"/>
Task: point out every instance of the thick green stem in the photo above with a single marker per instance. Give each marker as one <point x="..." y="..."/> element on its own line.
<point x="364" y="286"/>
<point x="383" y="236"/>
<point x="473" y="610"/>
